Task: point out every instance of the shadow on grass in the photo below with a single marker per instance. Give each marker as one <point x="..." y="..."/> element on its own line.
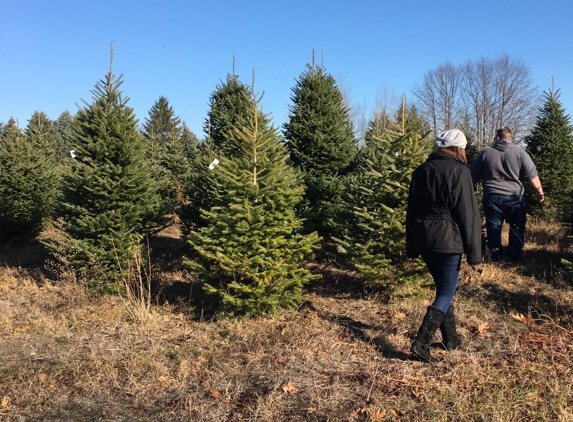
<point x="168" y="252"/>
<point x="357" y="330"/>
<point x="535" y="303"/>
<point x="543" y="265"/>
<point x="334" y="280"/>
<point x="31" y="255"/>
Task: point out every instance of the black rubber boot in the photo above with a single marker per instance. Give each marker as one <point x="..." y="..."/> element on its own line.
<point x="450" y="336"/>
<point x="430" y="324"/>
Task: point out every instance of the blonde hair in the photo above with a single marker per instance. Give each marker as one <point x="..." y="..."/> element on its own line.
<point x="459" y="153"/>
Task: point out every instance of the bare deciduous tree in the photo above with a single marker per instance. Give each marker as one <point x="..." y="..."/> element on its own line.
<point x="355" y="111"/>
<point x="517" y="99"/>
<point x="485" y="95"/>
<point x="440" y="97"/>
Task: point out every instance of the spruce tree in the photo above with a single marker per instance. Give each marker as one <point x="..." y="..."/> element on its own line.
<point x="65" y="126"/>
<point x="111" y="201"/>
<point x="190" y="142"/>
<point x="249" y="251"/>
<point x="230" y="108"/>
<point x="42" y="131"/>
<point x="163" y="135"/>
<point x="44" y="135"/>
<point x="322" y="146"/>
<point x="29" y="179"/>
<point x="375" y="241"/>
<point x="550" y="145"/>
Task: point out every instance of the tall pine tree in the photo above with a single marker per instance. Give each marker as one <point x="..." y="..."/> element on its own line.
<point x="230" y="108"/>
<point x="42" y="131"/>
<point x="64" y="125"/>
<point x="29" y="178"/>
<point x="250" y="249"/>
<point x="110" y="201"/>
<point x="550" y="145"/>
<point x="322" y="146"/>
<point x="163" y="135"/>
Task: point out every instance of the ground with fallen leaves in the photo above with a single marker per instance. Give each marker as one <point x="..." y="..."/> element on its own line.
<point x="66" y="355"/>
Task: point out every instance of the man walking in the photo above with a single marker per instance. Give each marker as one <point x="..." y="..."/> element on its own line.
<point x="501" y="170"/>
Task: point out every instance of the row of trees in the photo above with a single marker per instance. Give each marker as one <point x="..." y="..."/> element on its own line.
<point x="481" y="95"/>
<point x="254" y="204"/>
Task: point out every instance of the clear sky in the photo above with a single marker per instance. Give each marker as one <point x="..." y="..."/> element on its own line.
<point x="52" y="52"/>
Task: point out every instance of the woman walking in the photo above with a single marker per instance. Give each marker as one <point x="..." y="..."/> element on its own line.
<point x="442" y="223"/>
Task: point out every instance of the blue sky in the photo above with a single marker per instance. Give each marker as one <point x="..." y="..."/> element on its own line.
<point x="52" y="52"/>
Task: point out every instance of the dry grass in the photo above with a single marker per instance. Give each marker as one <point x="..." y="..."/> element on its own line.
<point x="343" y="356"/>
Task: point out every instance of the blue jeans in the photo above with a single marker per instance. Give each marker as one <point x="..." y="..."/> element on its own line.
<point x="445" y="269"/>
<point x="510" y="208"/>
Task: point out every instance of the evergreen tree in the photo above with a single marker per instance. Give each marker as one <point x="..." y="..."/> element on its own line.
<point x="42" y="130"/>
<point x="65" y="127"/>
<point x="249" y="251"/>
<point x="375" y="242"/>
<point x="230" y="109"/>
<point x="321" y="144"/>
<point x="190" y="142"/>
<point x="110" y="201"/>
<point x="167" y="153"/>
<point x="550" y="145"/>
<point x="29" y="179"/>
<point x="43" y="134"/>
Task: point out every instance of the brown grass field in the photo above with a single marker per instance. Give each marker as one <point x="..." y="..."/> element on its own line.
<point x="68" y="355"/>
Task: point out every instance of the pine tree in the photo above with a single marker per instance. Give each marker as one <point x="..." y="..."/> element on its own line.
<point x="249" y="251"/>
<point x="167" y="153"/>
<point x="29" y="179"/>
<point x="375" y="242"/>
<point x="321" y="144"/>
<point x="190" y="142"/>
<point x="550" y="145"/>
<point x="230" y="109"/>
<point x="162" y="125"/>
<point x="44" y="133"/>
<point x="110" y="201"/>
<point x="65" y="127"/>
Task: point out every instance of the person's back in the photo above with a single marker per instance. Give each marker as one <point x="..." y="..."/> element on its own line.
<point x="501" y="170"/>
<point x="502" y="167"/>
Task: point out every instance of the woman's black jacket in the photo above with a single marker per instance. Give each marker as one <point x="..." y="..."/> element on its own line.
<point x="443" y="214"/>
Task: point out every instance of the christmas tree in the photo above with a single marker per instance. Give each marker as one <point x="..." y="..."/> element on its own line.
<point x="230" y="108"/>
<point x="378" y="197"/>
<point x="111" y="201"/>
<point x="322" y="146"/>
<point x="249" y="251"/>
<point x="550" y="145"/>
<point x="167" y="152"/>
<point x="29" y="178"/>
